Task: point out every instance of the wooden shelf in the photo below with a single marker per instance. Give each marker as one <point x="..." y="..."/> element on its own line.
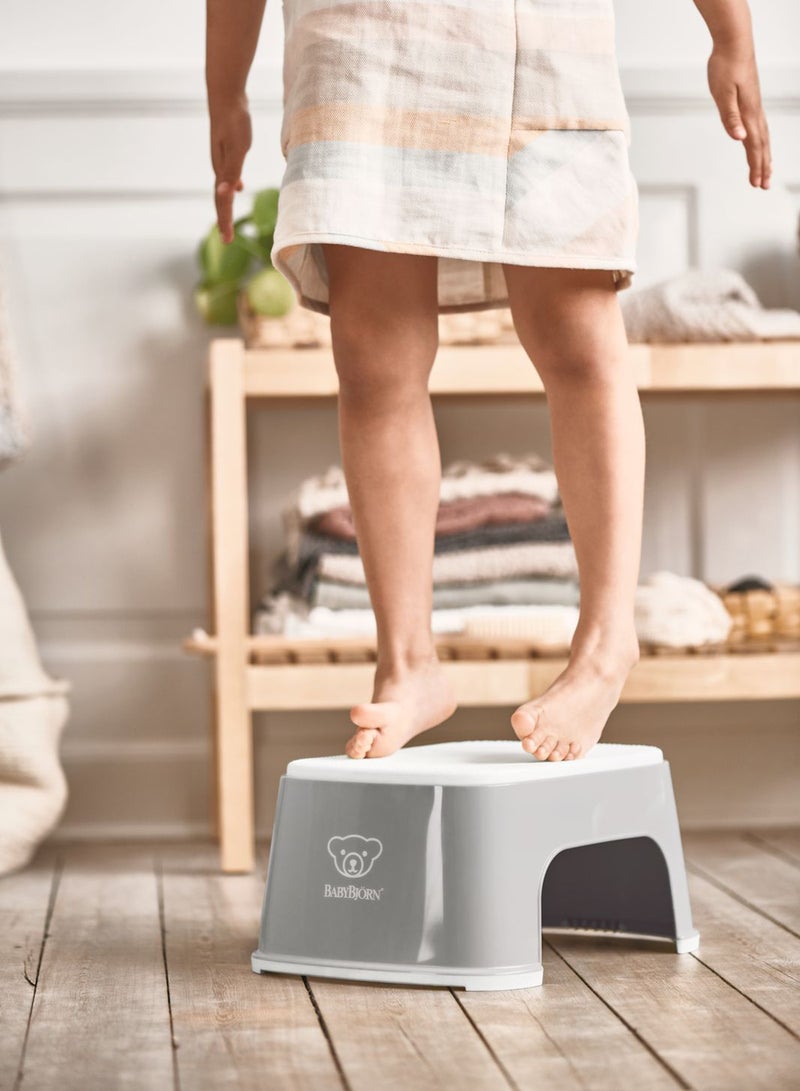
<point x="315" y="677"/>
<point x="332" y="674"/>
<point x="504" y="369"/>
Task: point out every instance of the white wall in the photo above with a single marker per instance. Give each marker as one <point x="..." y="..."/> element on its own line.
<point x="104" y="191"/>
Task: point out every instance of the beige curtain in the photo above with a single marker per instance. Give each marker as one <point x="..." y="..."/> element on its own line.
<point x="33" y="711"/>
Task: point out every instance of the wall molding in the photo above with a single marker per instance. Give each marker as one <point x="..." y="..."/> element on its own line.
<point x="92" y="751"/>
<point x="130" y="831"/>
<point x="122" y="651"/>
<point x="143" y="92"/>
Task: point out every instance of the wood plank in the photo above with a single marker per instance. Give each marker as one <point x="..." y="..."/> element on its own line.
<point x="400" y="1038"/>
<point x="257" y="645"/>
<point x="751" y="953"/>
<point x="759" y="878"/>
<point x="25" y="898"/>
<point x="229" y="513"/>
<point x="786" y="841"/>
<point x="233" y="1028"/>
<point x="723" y="365"/>
<point x="709" y="1034"/>
<point x="100" y="1017"/>
<point x="503" y="682"/>
<point x="341" y="685"/>
<point x="505" y="369"/>
<point x="561" y="1036"/>
<point x="735" y="677"/>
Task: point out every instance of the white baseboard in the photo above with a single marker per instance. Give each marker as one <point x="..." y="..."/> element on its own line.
<point x="139" y="750"/>
<point x="131" y="831"/>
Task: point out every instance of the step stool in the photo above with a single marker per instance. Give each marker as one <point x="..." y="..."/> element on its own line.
<point x="440" y="865"/>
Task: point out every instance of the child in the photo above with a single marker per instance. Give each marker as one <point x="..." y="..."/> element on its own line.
<point x="456" y="155"/>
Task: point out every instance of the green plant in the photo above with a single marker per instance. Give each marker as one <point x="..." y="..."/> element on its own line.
<point x="242" y="265"/>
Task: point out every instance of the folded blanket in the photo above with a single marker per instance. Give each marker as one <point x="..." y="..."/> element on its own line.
<point x="499" y="473"/>
<point x="718" y="305"/>
<point x="452" y="517"/>
<point x="496" y="562"/>
<point x="523" y="591"/>
<point x="548" y="528"/>
<point x="680" y="611"/>
<point x="297" y="574"/>
<point x="283" y="615"/>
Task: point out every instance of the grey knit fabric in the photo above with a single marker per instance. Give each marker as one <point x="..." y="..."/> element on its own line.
<point x="704" y="306"/>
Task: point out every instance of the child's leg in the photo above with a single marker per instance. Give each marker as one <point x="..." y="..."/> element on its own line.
<point x="384" y="327"/>
<point x="570" y="323"/>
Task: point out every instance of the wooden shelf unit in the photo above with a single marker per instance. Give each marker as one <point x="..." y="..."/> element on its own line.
<point x="335" y="674"/>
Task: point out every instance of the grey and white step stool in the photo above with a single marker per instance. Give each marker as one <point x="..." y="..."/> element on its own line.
<point x="440" y="865"/>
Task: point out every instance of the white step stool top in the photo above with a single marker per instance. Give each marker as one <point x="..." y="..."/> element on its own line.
<point x="474" y="763"/>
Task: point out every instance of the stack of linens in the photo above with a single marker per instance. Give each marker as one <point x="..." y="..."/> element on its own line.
<point x="502" y="557"/>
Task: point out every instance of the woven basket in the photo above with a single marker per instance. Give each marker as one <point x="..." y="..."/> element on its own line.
<point x="300" y="328"/>
<point x="303" y="328"/>
<point x="757" y="614"/>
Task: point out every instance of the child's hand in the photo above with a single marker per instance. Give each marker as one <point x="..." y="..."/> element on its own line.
<point x="231" y="137"/>
<point x="733" y="81"/>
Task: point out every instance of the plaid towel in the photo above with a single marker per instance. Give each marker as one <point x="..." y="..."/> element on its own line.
<point x="480" y="132"/>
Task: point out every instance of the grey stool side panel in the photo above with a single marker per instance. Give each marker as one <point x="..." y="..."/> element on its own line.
<point x="389" y="878"/>
<point x="312" y="910"/>
<point x="499" y="845"/>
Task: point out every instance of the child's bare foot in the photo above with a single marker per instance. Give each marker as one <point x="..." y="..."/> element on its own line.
<point x="569" y="717"/>
<point x="403" y="705"/>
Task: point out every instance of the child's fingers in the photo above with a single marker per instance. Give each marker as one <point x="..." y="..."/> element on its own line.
<point x="229" y="165"/>
<point x="755" y="145"/>
<point x="767" y="171"/>
<point x="730" y="113"/>
<point x="763" y="150"/>
<point x="761" y="166"/>
<point x="223" y="199"/>
<point x="736" y="92"/>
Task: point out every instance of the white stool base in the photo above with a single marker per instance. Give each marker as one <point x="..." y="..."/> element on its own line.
<point x="396" y="975"/>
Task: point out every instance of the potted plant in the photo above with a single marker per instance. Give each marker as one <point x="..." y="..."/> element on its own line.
<point x="238" y="282"/>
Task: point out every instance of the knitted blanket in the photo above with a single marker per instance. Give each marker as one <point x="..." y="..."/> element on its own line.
<point x="497" y="562"/>
<point x="282" y="614"/>
<point x="548" y="528"/>
<point x="680" y="611"/>
<point x="452" y="517"/>
<point x="522" y="591"/>
<point x="704" y="306"/>
<point x="499" y="473"/>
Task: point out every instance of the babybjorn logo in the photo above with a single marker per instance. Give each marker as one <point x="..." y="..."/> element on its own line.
<point x="353" y="893"/>
<point x="354" y="855"/>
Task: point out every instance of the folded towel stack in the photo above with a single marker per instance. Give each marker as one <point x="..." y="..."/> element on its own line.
<point x="502" y="548"/>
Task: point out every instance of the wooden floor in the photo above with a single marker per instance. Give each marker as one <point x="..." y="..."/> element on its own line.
<point x="129" y="968"/>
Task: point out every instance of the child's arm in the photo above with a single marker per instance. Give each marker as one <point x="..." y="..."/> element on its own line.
<point x="733" y="81"/>
<point x="232" y="29"/>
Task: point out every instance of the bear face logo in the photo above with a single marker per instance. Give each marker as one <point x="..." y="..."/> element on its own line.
<point x="354" y="855"/>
